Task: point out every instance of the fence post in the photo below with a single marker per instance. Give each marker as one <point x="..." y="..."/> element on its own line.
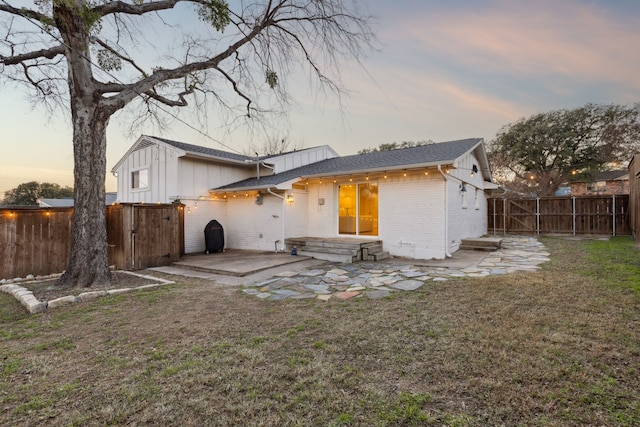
<point x="504" y="215"/>
<point x="537" y="216"/>
<point x="614" y="214"/>
<point x="573" y="214"/>
<point x="494" y="216"/>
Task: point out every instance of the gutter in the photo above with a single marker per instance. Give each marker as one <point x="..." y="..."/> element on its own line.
<point x="446" y="213"/>
<point x="284" y="202"/>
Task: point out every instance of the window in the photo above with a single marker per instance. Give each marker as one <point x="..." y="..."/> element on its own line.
<point x="140" y="179"/>
<point x="597" y="187"/>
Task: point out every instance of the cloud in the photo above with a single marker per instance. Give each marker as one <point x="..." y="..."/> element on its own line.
<point x="572" y="39"/>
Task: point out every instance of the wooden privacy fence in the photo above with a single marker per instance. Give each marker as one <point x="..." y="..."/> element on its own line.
<point x="37" y="240"/>
<point x="560" y="215"/>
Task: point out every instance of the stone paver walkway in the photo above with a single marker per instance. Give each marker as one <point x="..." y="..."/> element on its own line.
<point x="380" y="279"/>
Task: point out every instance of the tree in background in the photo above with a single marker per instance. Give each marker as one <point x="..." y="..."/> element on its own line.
<point x="394" y="146"/>
<point x="28" y="193"/>
<point x="91" y="57"/>
<point x="273" y="146"/>
<point x="537" y="155"/>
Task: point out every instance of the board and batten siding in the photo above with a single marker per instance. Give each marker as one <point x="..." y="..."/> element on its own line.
<point x="162" y="163"/>
<point x="300" y="158"/>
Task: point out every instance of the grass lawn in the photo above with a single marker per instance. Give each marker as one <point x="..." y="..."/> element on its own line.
<point x="560" y="347"/>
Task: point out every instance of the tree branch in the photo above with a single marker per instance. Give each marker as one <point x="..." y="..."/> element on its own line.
<point x="25" y="13"/>
<point x="118" y="54"/>
<point x="43" y="53"/>
<point x="159" y="76"/>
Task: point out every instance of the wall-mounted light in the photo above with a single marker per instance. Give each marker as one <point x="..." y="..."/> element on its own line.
<point x="290" y="199"/>
<point x="405" y="173"/>
<point x="463" y="188"/>
<point x="259" y="198"/>
<point x="474" y="170"/>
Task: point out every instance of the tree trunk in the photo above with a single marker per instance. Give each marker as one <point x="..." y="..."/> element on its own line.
<point x="88" y="260"/>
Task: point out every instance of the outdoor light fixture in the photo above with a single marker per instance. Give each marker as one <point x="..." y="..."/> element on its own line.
<point x="474" y="170"/>
<point x="463" y="189"/>
<point x="290" y="199"/>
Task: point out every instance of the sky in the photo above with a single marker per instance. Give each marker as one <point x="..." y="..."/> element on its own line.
<point x="440" y="71"/>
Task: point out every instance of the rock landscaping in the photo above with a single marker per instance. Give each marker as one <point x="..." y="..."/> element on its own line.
<point x="380" y="279"/>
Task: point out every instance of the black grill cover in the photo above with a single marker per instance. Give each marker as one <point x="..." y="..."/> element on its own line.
<point x="213" y="237"/>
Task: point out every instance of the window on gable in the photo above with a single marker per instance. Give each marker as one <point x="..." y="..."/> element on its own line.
<point x="140" y="179"/>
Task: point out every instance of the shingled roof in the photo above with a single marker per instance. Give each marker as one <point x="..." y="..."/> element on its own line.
<point x="420" y="156"/>
<point x="206" y="151"/>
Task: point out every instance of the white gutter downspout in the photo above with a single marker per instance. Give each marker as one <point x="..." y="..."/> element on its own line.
<point x="284" y="202"/>
<point x="446" y="213"/>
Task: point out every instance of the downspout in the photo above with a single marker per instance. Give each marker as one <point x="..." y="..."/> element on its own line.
<point x="284" y="201"/>
<point x="446" y="213"/>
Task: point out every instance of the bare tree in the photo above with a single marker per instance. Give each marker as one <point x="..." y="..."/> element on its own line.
<point x="274" y="145"/>
<point x="85" y="54"/>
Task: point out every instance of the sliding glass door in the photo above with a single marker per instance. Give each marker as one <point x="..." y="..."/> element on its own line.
<point x="358" y="209"/>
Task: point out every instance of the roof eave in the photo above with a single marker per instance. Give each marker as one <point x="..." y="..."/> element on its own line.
<point x="380" y="169"/>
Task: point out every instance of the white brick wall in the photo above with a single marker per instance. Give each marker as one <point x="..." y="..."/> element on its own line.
<point x="412" y="215"/>
<point x="322" y="218"/>
<point x="196" y="217"/>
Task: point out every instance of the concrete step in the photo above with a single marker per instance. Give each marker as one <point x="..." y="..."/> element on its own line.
<point x="333" y="257"/>
<point x="486" y="242"/>
<point x="371" y="250"/>
<point x="379" y="256"/>
<point x="326" y="249"/>
<point x="478" y="248"/>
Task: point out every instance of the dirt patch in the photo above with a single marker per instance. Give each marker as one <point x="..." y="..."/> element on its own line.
<point x="43" y="292"/>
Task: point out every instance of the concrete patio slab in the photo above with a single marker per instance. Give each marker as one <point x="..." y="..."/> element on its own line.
<point x="237" y="263"/>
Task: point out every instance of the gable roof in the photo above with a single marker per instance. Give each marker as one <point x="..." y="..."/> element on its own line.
<point x="406" y="158"/>
<point x="145" y="141"/>
<point x="197" y="150"/>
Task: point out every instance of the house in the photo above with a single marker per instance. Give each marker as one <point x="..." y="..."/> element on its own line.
<point x="613" y="182"/>
<point x="67" y="202"/>
<point x="419" y="201"/>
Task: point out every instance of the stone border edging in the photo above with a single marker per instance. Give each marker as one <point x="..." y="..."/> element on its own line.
<point x="33" y="305"/>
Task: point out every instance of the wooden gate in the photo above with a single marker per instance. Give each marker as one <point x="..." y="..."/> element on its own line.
<point x="142" y="235"/>
<point x="156" y="236"/>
